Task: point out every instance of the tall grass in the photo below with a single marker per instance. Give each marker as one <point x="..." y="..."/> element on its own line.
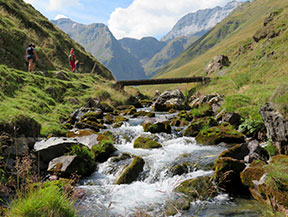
<point x="42" y="202"/>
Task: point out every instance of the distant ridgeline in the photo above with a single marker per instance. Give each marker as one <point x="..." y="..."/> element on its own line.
<point x="21" y="24"/>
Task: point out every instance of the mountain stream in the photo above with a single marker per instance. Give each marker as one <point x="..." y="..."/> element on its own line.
<point x="153" y="191"/>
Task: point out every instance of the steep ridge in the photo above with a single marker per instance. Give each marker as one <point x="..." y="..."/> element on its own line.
<point x="254" y="37"/>
<point x="21" y="24"/>
<point x="200" y="22"/>
<point x="98" y="40"/>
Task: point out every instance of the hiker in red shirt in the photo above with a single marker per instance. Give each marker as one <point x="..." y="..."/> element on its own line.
<point x="72" y="59"/>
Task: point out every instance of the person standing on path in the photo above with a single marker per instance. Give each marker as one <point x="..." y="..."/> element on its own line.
<point x="31" y="57"/>
<point x="72" y="59"/>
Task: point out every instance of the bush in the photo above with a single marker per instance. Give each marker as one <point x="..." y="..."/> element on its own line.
<point x="42" y="202"/>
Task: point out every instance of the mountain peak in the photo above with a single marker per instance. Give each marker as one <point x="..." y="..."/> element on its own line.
<point x="200" y="21"/>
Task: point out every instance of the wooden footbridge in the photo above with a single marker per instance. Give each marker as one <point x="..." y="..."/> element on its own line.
<point x="123" y="83"/>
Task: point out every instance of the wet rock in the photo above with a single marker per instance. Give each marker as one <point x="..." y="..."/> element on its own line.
<point x="155" y="125"/>
<point x="218" y="134"/>
<point x="277" y="127"/>
<point x="102" y="151"/>
<point x="79" y="133"/>
<point x="170" y="99"/>
<point x="146" y="142"/>
<point x="131" y="173"/>
<point x="143" y="114"/>
<point x="146" y="102"/>
<point x="201" y="188"/>
<point x="182" y="168"/>
<point x="253" y="172"/>
<point x="217" y="63"/>
<point x="108" y="119"/>
<point x="210" y="99"/>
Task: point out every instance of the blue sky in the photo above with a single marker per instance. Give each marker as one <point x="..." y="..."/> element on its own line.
<point x="125" y="18"/>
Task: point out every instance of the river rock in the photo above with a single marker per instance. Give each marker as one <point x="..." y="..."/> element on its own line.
<point x="200" y="188"/>
<point x="231" y="118"/>
<point x="196" y="126"/>
<point x="145" y="142"/>
<point x="216" y="64"/>
<point x="156" y="125"/>
<point x="173" y="99"/>
<point x="71" y="164"/>
<point x="277" y="127"/>
<point x="132" y="100"/>
<point x="53" y="147"/>
<point x="131" y="172"/>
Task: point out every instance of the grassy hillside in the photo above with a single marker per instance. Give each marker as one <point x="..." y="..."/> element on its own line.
<point x="21" y="24"/>
<point x="258" y="72"/>
<point x="50" y="100"/>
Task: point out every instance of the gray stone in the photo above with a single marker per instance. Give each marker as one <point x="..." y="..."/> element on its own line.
<point x="276" y="126"/>
<point x="170" y="99"/>
<point x="217" y="63"/>
<point x="61" y="164"/>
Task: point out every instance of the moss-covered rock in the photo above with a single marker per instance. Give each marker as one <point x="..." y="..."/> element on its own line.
<point x="202" y="111"/>
<point x="120" y="119"/>
<point x="108" y="119"/>
<point x="146" y="102"/>
<point x="131" y="172"/>
<point x="144" y="114"/>
<point x="182" y="168"/>
<point x="181" y="119"/>
<point x="227" y="175"/>
<point x="146" y="143"/>
<point x="269" y="182"/>
<point x="93" y="116"/>
<point x="107" y="135"/>
<point x="173" y="207"/>
<point x="198" y="124"/>
<point x="253" y="173"/>
<point x="96" y="126"/>
<point x="103" y="150"/>
<point x="201" y="188"/>
<point x="157" y="127"/>
<point x="215" y="135"/>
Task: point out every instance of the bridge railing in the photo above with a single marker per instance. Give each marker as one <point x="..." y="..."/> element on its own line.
<point x="162" y="81"/>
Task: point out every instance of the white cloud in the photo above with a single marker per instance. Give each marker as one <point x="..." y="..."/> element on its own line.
<point x="29" y="1"/>
<point x="60" y="4"/>
<point x="59" y="16"/>
<point x="153" y="17"/>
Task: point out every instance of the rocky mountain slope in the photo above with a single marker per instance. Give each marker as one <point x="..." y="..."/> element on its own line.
<point x="21" y="24"/>
<point x="254" y="39"/>
<point x="97" y="39"/>
<point x="200" y="22"/>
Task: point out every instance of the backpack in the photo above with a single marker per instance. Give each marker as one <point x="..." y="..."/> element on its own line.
<point x="71" y="57"/>
<point x="30" y="51"/>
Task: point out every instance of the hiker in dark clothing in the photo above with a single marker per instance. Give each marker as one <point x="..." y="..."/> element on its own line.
<point x="31" y="57"/>
<point x="72" y="59"/>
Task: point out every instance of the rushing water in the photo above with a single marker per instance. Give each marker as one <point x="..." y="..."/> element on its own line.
<point x="154" y="188"/>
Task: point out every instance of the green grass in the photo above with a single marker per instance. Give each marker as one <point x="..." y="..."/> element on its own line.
<point x="42" y="202"/>
<point x="49" y="100"/>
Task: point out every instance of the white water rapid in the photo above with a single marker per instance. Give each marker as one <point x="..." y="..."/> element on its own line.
<point x="154" y="188"/>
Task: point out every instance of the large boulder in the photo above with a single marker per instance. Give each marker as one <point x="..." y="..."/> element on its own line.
<point x="156" y="125"/>
<point x="131" y="172"/>
<point x="172" y="99"/>
<point x="217" y="63"/>
<point x="196" y="126"/>
<point x="277" y="127"/>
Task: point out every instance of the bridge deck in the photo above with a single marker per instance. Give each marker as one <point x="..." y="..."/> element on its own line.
<point x="162" y="81"/>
